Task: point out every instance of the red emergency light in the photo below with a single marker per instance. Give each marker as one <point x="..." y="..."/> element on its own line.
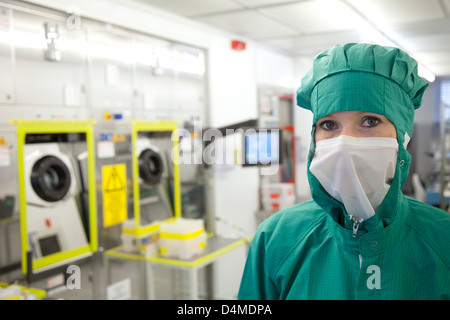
<point x="237" y="45"/>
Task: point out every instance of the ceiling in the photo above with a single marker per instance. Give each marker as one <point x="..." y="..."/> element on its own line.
<point x="307" y="27"/>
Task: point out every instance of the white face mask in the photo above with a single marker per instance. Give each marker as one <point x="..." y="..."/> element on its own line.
<point x="356" y="171"/>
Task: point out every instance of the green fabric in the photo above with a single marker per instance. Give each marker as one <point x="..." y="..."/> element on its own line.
<point x="390" y="63"/>
<point x="301" y="253"/>
<point x="308" y="251"/>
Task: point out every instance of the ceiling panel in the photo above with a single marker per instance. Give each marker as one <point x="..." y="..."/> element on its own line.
<point x="314" y="16"/>
<point x="311" y="45"/>
<point x="427" y="43"/>
<point x="248" y="24"/>
<point x="441" y="26"/>
<point x="389" y="12"/>
<point x="440" y="69"/>
<point x="307" y="27"/>
<point x="433" y="57"/>
<point x="262" y="3"/>
<point x="193" y="7"/>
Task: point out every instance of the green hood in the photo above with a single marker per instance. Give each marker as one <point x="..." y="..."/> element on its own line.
<point x="371" y="78"/>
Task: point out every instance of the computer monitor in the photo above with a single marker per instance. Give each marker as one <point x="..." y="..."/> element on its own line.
<point x="262" y="147"/>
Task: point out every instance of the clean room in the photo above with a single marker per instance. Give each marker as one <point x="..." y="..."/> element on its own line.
<point x="224" y="149"/>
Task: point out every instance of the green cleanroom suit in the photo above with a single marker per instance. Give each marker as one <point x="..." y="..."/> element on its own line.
<point x="315" y="250"/>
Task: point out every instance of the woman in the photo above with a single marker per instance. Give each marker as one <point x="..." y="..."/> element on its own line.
<point x="360" y="237"/>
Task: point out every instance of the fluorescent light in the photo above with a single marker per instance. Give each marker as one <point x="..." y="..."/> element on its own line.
<point x="378" y="33"/>
<point x="373" y="34"/>
<point x="23" y="39"/>
<point x="425" y="73"/>
<point x="152" y="55"/>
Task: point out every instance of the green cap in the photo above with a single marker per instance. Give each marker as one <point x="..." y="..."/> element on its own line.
<point x="364" y="77"/>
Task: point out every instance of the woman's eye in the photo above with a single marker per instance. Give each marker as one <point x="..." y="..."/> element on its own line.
<point x="327" y="125"/>
<point x="370" y="122"/>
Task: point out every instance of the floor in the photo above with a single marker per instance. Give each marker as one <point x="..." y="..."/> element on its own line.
<point x="127" y="275"/>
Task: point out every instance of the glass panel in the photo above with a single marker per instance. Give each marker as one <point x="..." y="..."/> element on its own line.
<point x="6" y="58"/>
<point x="49" y="62"/>
<point x="156" y="183"/>
<point x="111" y="61"/>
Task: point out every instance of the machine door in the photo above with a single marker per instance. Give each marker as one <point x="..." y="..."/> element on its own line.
<point x="150" y="166"/>
<point x="50" y="178"/>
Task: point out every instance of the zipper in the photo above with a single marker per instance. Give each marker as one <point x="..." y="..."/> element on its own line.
<point x="356" y="223"/>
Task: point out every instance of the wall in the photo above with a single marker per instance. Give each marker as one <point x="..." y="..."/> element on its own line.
<point x="303" y="123"/>
<point x="274" y="69"/>
<point x="234" y="98"/>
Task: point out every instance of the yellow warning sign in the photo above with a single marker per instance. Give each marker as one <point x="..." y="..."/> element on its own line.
<point x="114" y="194"/>
<point x="2" y="141"/>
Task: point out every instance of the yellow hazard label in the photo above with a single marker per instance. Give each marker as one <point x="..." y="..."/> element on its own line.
<point x="114" y="189"/>
<point x="2" y="141"/>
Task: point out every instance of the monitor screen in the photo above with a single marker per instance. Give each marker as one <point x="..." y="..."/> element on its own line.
<point x="262" y="146"/>
<point x="49" y="245"/>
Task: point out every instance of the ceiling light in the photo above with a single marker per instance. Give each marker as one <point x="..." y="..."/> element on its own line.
<point x="426" y="73"/>
<point x="378" y="33"/>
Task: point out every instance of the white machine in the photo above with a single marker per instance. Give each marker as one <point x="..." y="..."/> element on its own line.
<point x="53" y="220"/>
<point x="154" y="202"/>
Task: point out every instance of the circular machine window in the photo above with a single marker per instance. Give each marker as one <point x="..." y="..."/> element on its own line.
<point x="150" y="166"/>
<point x="50" y="178"/>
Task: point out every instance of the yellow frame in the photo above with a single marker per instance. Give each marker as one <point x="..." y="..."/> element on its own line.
<point x="153" y="126"/>
<point x="25" y="127"/>
<point x="115" y="252"/>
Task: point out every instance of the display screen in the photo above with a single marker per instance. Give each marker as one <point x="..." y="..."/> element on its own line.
<point x="262" y="146"/>
<point x="49" y="245"/>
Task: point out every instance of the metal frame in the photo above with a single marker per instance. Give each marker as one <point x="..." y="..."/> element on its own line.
<point x="154" y="126"/>
<point x="25" y="127"/>
<point x="191" y="266"/>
